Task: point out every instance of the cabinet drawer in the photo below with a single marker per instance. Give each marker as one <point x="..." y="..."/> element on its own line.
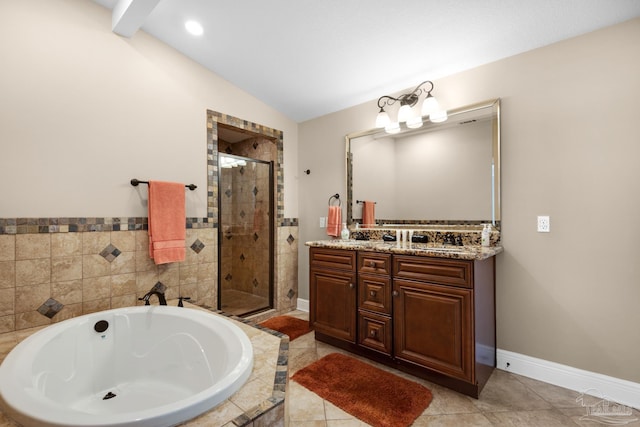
<point x="338" y="259"/>
<point x="434" y="270"/>
<point x="370" y="262"/>
<point x="374" y="332"/>
<point x="374" y="293"/>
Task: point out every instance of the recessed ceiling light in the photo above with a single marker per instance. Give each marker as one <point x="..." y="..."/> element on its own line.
<point x="194" y="28"/>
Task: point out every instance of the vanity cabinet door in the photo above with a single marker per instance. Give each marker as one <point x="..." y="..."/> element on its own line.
<point x="334" y="303"/>
<point x="432" y="327"/>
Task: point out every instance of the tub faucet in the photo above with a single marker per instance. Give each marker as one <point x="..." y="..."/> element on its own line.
<point x="158" y="289"/>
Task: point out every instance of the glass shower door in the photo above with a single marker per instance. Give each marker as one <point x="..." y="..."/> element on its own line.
<point x="245" y="235"/>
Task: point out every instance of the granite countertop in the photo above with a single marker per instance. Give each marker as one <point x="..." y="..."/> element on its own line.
<point x="421" y="249"/>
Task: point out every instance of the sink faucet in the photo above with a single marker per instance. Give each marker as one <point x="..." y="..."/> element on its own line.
<point x="158" y="289"/>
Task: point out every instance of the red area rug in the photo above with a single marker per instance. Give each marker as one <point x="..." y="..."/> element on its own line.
<point x="372" y="395"/>
<point x="288" y="325"/>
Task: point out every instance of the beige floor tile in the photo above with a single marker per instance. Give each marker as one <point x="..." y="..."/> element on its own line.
<point x="314" y="423"/>
<point x="332" y="412"/>
<point x="559" y="397"/>
<point x="503" y="392"/>
<point x="447" y="401"/>
<point x="546" y="418"/>
<point x="581" y="417"/>
<point x="304" y="405"/>
<point x="458" y="420"/>
<point x="301" y="357"/>
<point x="304" y="341"/>
<point x="346" y="423"/>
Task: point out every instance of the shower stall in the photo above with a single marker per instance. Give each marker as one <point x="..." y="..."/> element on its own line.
<point x="245" y="234"/>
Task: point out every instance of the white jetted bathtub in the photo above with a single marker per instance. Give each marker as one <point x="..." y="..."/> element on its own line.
<point x="137" y="366"/>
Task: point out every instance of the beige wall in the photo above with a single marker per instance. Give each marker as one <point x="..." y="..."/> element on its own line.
<point x="570" y="148"/>
<point x="83" y="111"/>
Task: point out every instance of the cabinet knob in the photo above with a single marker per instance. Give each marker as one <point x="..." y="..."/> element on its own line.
<point x="371" y="264"/>
<point x="395" y="293"/>
<point x="351" y="285"/>
<point x="373" y="332"/>
<point x="372" y="293"/>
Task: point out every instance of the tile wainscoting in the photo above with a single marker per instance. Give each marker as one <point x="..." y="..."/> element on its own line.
<point x="49" y="276"/>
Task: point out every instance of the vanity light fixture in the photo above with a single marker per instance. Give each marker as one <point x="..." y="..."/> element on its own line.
<point x="407" y="114"/>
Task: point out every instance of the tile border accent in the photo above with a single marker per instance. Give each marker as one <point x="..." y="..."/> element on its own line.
<point x="213" y="118"/>
<point x="280" y="379"/>
<point x="80" y="225"/>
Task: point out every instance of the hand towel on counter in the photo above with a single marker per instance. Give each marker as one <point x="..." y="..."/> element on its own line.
<point x="334" y="221"/>
<point x="368" y="213"/>
<point x="167" y="220"/>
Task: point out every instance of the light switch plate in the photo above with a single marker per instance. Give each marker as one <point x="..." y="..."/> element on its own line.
<point x="323" y="222"/>
<point x="544" y="224"/>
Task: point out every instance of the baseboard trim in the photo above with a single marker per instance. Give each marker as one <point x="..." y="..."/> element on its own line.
<point x="612" y="389"/>
<point x="302" y="304"/>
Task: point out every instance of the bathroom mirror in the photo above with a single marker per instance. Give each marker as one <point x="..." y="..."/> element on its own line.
<point x="440" y="173"/>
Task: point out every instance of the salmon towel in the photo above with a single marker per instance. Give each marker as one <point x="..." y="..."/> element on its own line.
<point x="166" y="222"/>
<point x="368" y="214"/>
<point x="334" y="221"/>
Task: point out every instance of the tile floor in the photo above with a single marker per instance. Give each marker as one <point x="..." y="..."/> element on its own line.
<point x="507" y="400"/>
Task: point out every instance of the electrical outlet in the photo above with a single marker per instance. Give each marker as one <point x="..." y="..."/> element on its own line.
<point x="544" y="224"/>
<point x="323" y="222"/>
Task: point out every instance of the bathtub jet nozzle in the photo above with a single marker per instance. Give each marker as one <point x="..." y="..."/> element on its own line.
<point x="109" y="395"/>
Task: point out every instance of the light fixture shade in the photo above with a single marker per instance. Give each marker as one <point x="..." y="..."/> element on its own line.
<point x="382" y="120"/>
<point x="414" y="123"/>
<point x="405" y="113"/>
<point x="393" y="127"/>
<point x="438" y="116"/>
<point x="430" y="105"/>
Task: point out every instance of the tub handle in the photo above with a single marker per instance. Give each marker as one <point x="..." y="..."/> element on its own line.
<point x="180" y="300"/>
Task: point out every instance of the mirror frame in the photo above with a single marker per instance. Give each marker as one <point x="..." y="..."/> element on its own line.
<point x="492" y="103"/>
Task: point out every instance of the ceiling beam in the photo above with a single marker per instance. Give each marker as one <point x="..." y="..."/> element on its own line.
<point x="129" y="15"/>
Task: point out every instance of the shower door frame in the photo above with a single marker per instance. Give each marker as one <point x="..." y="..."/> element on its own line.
<point x="271" y="222"/>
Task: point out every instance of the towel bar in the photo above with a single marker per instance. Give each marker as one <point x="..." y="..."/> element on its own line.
<point x="136" y="182"/>
<point x="337" y="197"/>
<point x="362" y="201"/>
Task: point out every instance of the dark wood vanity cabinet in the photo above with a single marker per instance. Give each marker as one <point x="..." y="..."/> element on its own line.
<point x="332" y="287"/>
<point x="429" y="316"/>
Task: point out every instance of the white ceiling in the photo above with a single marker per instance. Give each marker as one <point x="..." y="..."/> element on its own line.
<point x="307" y="58"/>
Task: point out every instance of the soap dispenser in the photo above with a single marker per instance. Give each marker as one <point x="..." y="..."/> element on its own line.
<point x="344" y="234"/>
<point x="486" y="235"/>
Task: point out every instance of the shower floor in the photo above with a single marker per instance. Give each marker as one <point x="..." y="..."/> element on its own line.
<point x="240" y="303"/>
